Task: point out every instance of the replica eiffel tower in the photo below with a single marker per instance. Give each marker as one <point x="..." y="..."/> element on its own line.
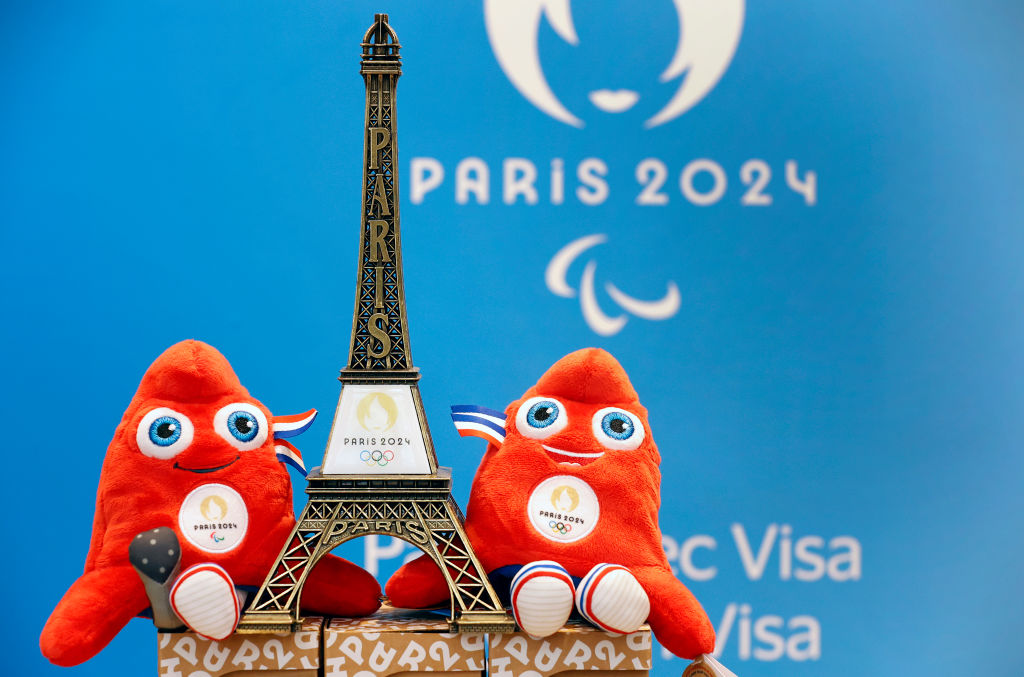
<point x="380" y="472"/>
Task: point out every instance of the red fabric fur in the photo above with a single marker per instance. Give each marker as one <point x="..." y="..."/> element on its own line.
<point x="627" y="484"/>
<point x="138" y="492"/>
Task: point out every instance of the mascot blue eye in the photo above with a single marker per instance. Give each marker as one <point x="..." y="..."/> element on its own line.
<point x="616" y="428"/>
<point x="541" y="417"/>
<point x="165" y="431"/>
<point x="617" y="425"/>
<point x="542" y="414"/>
<point x="243" y="426"/>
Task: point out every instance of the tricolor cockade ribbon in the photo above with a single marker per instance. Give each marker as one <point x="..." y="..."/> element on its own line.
<point x="475" y="421"/>
<point x="290" y="426"/>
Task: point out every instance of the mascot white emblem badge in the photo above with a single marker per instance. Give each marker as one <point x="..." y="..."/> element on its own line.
<point x="709" y="31"/>
<point x="563" y="509"/>
<point x="213" y="517"/>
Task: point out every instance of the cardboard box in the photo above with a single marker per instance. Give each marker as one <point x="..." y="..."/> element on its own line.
<point x="287" y="654"/>
<point x="400" y="642"/>
<point x="576" y="649"/>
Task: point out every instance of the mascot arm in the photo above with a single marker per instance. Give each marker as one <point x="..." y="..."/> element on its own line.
<point x="91" y="612"/>
<point x="418" y="585"/>
<point x="337" y="587"/>
<point x="677" y="618"/>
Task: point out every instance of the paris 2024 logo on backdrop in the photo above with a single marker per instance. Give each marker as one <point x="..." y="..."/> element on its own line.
<point x="618" y="74"/>
<point x="709" y="31"/>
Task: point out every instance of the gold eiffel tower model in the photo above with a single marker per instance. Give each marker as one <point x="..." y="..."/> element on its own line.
<point x="380" y="472"/>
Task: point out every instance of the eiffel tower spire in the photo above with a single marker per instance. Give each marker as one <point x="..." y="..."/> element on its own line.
<point x="379" y="349"/>
<point x="380" y="427"/>
<point x="380" y="472"/>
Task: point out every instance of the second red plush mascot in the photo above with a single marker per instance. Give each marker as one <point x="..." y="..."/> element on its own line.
<point x="564" y="512"/>
<point x="194" y="505"/>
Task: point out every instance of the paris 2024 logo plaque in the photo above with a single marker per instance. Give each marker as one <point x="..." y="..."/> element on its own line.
<point x="376" y="432"/>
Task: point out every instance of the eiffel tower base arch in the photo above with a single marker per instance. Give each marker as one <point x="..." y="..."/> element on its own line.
<point x="419" y="510"/>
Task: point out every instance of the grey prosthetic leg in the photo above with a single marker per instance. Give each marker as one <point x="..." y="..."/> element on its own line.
<point x="155" y="554"/>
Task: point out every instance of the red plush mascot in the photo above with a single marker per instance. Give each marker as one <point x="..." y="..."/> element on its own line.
<point x="194" y="505"/>
<point x="563" y="511"/>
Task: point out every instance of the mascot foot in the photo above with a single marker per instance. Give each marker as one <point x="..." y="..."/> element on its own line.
<point x="204" y="597"/>
<point x="155" y="554"/>
<point x="706" y="665"/>
<point x="542" y="596"/>
<point x="611" y="598"/>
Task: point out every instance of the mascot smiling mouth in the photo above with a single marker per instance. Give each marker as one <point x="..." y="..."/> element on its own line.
<point x="563" y="457"/>
<point x="204" y="470"/>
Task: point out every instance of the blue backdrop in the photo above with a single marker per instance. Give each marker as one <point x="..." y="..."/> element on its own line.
<point x="842" y="365"/>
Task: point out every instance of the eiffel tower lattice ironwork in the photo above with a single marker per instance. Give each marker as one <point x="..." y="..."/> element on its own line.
<point x="380" y="472"/>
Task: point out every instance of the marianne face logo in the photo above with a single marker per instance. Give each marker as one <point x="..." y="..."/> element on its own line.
<point x="213" y="508"/>
<point x="377" y="412"/>
<point x="565" y="498"/>
<point x="708" y="33"/>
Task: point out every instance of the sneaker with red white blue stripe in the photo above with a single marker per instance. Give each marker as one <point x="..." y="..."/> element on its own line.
<point x="542" y="597"/>
<point x="611" y="598"/>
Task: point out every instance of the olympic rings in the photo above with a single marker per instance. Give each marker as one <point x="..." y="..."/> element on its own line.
<point x="376" y="457"/>
<point x="560" y="527"/>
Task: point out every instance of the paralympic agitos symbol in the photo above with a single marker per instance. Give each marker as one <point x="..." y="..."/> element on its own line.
<point x="605" y="325"/>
